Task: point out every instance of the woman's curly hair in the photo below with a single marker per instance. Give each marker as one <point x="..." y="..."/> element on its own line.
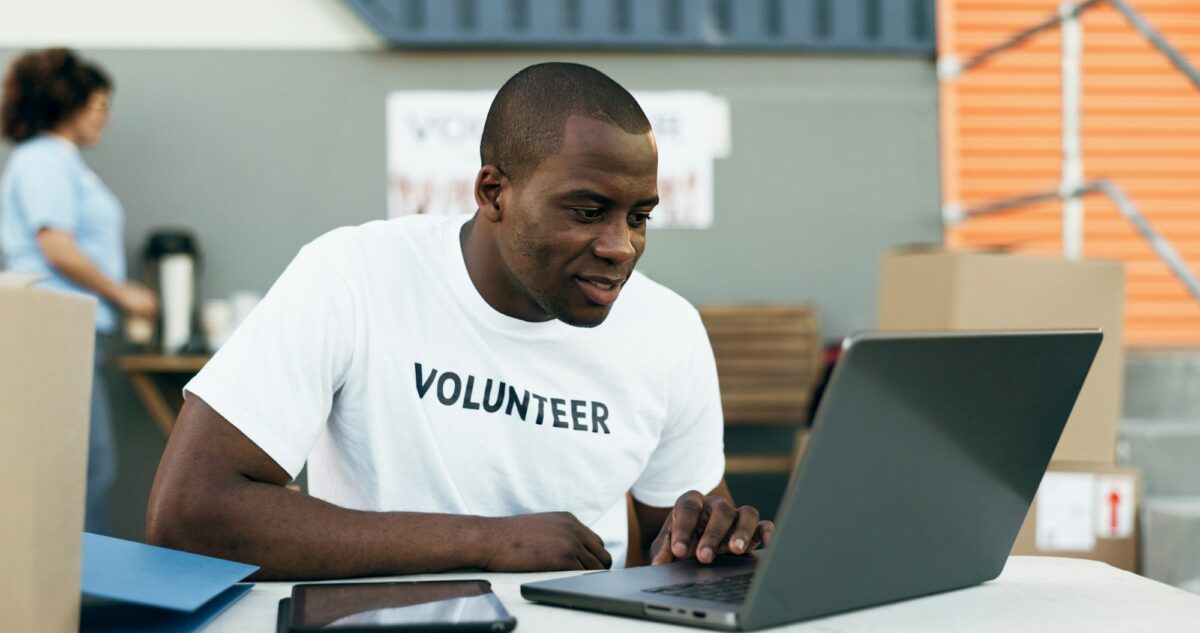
<point x="44" y="88"/>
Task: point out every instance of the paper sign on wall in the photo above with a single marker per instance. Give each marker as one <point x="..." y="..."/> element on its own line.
<point x="1066" y="510"/>
<point x="433" y="151"/>
<point x="1114" y="504"/>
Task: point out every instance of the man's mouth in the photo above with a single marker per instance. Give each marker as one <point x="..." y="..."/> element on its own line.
<point x="599" y="289"/>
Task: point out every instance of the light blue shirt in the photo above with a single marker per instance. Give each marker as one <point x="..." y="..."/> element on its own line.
<point x="47" y="185"/>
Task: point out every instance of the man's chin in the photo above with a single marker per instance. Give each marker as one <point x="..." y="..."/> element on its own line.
<point x="588" y="317"/>
<point x="575" y="311"/>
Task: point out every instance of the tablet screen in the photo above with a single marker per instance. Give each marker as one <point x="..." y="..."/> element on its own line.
<point x="358" y="605"/>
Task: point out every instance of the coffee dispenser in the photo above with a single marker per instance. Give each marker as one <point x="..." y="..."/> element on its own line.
<point x="172" y="260"/>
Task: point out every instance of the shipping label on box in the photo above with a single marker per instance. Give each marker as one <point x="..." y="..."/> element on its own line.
<point x="1066" y="511"/>
<point x="1084" y="511"/>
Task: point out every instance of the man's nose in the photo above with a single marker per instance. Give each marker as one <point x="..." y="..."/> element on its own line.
<point x="616" y="243"/>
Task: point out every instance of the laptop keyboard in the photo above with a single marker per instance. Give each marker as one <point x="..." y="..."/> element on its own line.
<point x="731" y="589"/>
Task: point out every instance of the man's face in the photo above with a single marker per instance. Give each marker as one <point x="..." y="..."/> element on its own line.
<point x="574" y="228"/>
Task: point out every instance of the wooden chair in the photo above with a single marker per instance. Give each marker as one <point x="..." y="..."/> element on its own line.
<point x="769" y="358"/>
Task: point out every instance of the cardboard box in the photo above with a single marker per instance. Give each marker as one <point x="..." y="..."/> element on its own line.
<point x="1085" y="511"/>
<point x="938" y="290"/>
<point x="46" y="350"/>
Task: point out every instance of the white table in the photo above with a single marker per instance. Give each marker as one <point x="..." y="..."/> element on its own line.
<point x="1033" y="594"/>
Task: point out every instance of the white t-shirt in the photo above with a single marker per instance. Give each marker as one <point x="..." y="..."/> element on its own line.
<point x="374" y="358"/>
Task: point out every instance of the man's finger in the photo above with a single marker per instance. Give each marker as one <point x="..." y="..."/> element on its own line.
<point x="685" y="516"/>
<point x="595" y="546"/>
<point x="588" y="560"/>
<point x="767" y="531"/>
<point x="661" y="555"/>
<point x="721" y="517"/>
<point x="759" y="538"/>
<point x="660" y="549"/>
<point x="743" y="530"/>
<point x="754" y="542"/>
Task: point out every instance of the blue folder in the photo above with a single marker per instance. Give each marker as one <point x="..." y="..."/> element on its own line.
<point x="130" y="586"/>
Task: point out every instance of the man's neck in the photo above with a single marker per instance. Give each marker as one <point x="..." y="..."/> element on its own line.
<point x="489" y="275"/>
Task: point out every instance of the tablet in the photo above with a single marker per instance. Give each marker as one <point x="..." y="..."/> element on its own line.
<point x="375" y="607"/>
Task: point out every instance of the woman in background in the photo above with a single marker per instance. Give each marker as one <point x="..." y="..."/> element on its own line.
<point x="59" y="220"/>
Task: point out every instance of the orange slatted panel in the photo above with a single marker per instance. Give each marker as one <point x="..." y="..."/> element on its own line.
<point x="1000" y="128"/>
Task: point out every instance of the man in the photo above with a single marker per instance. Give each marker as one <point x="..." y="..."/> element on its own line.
<point x="469" y="392"/>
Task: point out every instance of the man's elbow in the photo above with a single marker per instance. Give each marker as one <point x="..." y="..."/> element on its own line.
<point x="175" y="516"/>
<point x="162" y="527"/>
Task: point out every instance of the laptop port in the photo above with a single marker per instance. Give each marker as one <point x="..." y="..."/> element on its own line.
<point x="656" y="608"/>
<point x="699" y="614"/>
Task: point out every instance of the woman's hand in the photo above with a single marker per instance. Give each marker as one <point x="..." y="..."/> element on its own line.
<point x="61" y="251"/>
<point x="137" y="300"/>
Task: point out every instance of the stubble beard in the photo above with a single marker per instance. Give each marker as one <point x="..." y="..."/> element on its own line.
<point x="553" y="304"/>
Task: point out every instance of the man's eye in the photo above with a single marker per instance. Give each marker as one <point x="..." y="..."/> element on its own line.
<point x="588" y="213"/>
<point x="639" y="219"/>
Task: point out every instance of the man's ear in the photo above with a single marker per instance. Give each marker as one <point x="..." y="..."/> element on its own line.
<point x="489" y="182"/>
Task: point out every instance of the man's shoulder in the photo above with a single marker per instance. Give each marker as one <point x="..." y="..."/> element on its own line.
<point x="420" y="231"/>
<point x="648" y="301"/>
<point x="644" y="289"/>
<point x="381" y="251"/>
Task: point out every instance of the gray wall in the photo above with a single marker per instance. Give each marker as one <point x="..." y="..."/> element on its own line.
<point x="834" y="160"/>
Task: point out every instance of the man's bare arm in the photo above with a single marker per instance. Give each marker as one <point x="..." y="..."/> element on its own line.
<point x="218" y="493"/>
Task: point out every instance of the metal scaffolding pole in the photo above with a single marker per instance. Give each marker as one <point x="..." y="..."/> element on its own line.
<point x="1072" y="150"/>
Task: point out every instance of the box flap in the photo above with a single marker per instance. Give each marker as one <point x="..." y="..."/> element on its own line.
<point x="19" y="280"/>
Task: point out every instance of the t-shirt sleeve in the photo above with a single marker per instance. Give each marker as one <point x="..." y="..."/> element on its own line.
<point x="276" y="376"/>
<point x="691" y="449"/>
<point x="47" y="191"/>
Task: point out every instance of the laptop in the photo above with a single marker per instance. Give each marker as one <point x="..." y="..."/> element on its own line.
<point x="925" y="454"/>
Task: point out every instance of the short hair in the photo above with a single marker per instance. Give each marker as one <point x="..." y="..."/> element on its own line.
<point x="528" y="116"/>
<point x="45" y="88"/>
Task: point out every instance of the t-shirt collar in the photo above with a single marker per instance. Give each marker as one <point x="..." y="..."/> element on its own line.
<point x="64" y="141"/>
<point x="468" y="295"/>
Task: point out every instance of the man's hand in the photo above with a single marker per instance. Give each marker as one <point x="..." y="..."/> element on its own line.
<point x="705" y="527"/>
<point x="549" y="541"/>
